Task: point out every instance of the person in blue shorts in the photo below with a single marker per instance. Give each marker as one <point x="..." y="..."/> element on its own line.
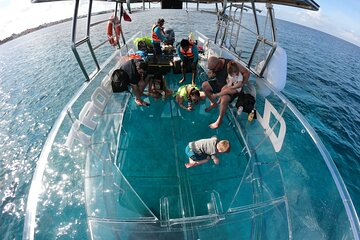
<point x="200" y="151"/>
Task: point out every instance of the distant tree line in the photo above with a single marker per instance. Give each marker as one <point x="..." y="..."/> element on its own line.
<point x="16" y="35"/>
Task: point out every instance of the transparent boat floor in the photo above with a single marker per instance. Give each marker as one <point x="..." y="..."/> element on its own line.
<point x="157" y="194"/>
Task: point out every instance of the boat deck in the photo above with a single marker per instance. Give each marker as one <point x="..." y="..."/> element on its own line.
<point x="154" y="187"/>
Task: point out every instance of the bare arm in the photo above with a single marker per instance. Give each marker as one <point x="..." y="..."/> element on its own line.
<point x="225" y="91"/>
<point x="245" y="73"/>
<point x="180" y="101"/>
<point x="136" y="91"/>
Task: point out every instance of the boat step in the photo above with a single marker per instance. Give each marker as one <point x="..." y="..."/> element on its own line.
<point x="191" y="211"/>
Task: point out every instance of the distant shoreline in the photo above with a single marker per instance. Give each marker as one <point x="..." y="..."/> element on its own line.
<point x="45" y="25"/>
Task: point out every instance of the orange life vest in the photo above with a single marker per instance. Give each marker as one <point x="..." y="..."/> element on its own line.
<point x="189" y="53"/>
<point x="154" y="36"/>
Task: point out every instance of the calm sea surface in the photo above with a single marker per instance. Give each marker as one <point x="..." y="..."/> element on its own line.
<point x="39" y="74"/>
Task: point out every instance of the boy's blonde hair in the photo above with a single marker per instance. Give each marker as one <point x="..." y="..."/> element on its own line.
<point x="223" y="146"/>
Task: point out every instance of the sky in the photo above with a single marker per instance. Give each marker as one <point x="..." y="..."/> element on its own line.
<point x="338" y="18"/>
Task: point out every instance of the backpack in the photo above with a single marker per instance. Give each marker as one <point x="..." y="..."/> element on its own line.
<point x="170" y="36"/>
<point x="119" y="81"/>
<point x="142" y="46"/>
<point x="247" y="101"/>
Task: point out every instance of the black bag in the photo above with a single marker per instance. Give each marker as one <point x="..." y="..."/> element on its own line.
<point x="247" y="101"/>
<point x="170" y="36"/>
<point x="142" y="46"/>
<point x="119" y="81"/>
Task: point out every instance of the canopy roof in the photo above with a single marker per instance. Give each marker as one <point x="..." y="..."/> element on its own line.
<point x="306" y="4"/>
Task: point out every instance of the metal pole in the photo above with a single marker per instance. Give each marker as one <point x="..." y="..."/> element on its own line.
<point x="255" y="18"/>
<point x="73" y="40"/>
<point x="270" y="9"/>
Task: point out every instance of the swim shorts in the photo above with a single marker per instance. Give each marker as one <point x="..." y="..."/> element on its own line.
<point x="196" y="157"/>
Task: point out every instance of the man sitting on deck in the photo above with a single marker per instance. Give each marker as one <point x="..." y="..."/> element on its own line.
<point x="219" y="68"/>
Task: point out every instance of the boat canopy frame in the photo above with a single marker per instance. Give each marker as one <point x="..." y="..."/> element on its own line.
<point x="306" y="4"/>
<point x="229" y="26"/>
<point x="228" y="17"/>
<point x="76" y="43"/>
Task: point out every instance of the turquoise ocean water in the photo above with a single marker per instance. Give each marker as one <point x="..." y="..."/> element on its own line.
<point x="39" y="74"/>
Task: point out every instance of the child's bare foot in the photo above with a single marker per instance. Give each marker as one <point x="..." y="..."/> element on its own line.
<point x="212" y="105"/>
<point x="189" y="165"/>
<point x="214" y="125"/>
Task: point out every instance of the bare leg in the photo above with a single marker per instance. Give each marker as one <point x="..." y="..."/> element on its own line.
<point x="202" y="95"/>
<point x="208" y="93"/>
<point x="193" y="68"/>
<point x="223" y="107"/>
<point x="183" y="70"/>
<point x="168" y="92"/>
<point x="193" y="163"/>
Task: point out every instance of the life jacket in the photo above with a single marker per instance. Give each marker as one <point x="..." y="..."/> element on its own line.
<point x="154" y="36"/>
<point x="189" y="53"/>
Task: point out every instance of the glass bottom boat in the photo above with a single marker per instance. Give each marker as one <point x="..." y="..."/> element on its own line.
<point x="125" y="166"/>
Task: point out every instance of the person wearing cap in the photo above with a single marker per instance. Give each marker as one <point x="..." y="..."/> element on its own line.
<point x="188" y="54"/>
<point x="134" y="72"/>
<point x="223" y="70"/>
<point x="158" y="36"/>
